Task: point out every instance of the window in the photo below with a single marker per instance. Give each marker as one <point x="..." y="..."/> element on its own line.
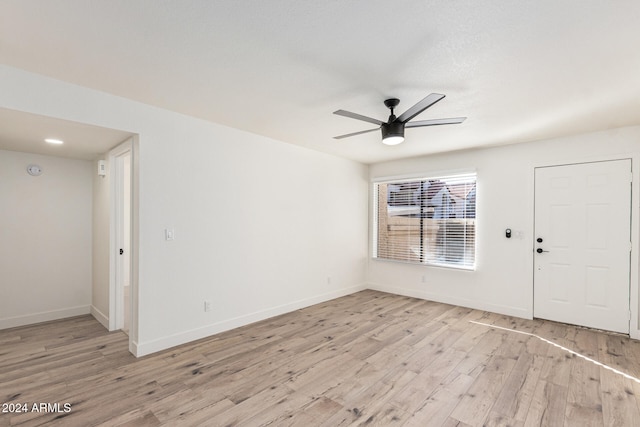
<point x="426" y="220"/>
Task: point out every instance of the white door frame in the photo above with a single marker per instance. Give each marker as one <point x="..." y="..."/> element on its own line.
<point x="116" y="220"/>
<point x="576" y="307"/>
<point x="634" y="303"/>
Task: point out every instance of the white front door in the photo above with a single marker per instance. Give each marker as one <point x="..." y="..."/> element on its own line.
<point x="583" y="243"/>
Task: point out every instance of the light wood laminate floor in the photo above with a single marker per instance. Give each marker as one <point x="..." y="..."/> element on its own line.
<point x="366" y="359"/>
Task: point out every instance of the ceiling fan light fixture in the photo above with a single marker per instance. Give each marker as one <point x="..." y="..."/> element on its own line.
<point x="393" y="129"/>
<point x="393" y="140"/>
<point x="392" y="133"/>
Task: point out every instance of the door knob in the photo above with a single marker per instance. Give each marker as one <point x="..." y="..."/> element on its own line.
<point x="539" y="250"/>
<point x="121" y="251"/>
<point x="539" y="240"/>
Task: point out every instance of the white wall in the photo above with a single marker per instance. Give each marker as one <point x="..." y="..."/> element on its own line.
<point x="45" y="239"/>
<point x="503" y="280"/>
<point x="260" y="225"/>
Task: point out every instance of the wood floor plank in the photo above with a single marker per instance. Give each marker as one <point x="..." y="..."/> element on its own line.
<point x="135" y="418"/>
<point x="450" y="422"/>
<point x="619" y="402"/>
<point x="435" y="410"/>
<point x="413" y="396"/>
<point x="557" y="367"/>
<point x="516" y="395"/>
<point x="548" y="405"/>
<point x="204" y="413"/>
<point x="384" y="415"/>
<point x="367" y="404"/>
<point x="346" y="389"/>
<point x="584" y="403"/>
<point x="501" y="421"/>
<point x="369" y="358"/>
<point x="476" y="403"/>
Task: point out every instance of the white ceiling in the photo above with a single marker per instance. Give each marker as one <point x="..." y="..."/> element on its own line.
<point x="26" y="132"/>
<point x="519" y="70"/>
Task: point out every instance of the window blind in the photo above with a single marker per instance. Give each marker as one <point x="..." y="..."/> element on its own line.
<point x="427" y="221"/>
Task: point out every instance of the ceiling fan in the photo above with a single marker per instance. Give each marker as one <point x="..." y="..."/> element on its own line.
<point x="393" y="129"/>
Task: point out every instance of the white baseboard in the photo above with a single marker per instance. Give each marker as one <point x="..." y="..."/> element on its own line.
<point x="45" y="316"/>
<point x="145" y="348"/>
<point x="447" y="299"/>
<point x="133" y="348"/>
<point x="100" y="316"/>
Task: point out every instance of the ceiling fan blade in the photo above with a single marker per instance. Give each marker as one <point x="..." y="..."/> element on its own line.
<point x="358" y="117"/>
<point x="354" y="133"/>
<point x="418" y="108"/>
<point x="435" y="122"/>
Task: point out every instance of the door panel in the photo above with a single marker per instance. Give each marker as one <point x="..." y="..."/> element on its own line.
<point x="582" y="215"/>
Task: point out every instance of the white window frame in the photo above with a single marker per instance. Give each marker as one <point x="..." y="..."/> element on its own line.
<point x="444" y="176"/>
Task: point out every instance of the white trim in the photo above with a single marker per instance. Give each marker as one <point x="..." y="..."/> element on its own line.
<point x="142" y="349"/>
<point x="115" y="309"/>
<point x="430" y="175"/>
<point x="133" y="347"/>
<point x="634" y="291"/>
<point x="373" y="224"/>
<point x="374" y="258"/>
<point x="587" y="159"/>
<point x="446" y="299"/>
<point x="135" y="241"/>
<point x="374" y="209"/>
<point x="100" y="316"/>
<point x="116" y="314"/>
<point x="45" y="316"/>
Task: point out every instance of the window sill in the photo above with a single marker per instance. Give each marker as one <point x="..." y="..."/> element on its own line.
<point x="433" y="265"/>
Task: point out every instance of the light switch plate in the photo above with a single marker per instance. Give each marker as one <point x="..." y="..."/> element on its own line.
<point x="169" y="234"/>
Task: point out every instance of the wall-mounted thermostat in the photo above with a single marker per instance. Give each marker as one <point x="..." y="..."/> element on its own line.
<point x="102" y="168"/>
<point x="34" y="170"/>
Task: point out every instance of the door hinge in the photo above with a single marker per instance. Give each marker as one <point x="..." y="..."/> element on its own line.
<point x="629" y="315"/>
<point x="630" y="246"/>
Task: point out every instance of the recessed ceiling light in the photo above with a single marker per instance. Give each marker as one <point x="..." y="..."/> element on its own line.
<point x="54" y="141"/>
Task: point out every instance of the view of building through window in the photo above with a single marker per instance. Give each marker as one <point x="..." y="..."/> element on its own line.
<point x="429" y="221"/>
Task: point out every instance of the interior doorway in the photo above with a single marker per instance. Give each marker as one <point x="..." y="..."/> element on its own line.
<point x="582" y="254"/>
<point x="120" y="306"/>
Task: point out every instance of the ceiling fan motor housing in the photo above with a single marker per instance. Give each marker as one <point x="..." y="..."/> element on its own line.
<point x="392" y="129"/>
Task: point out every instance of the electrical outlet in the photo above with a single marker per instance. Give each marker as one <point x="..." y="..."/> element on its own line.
<point x="207" y="306"/>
